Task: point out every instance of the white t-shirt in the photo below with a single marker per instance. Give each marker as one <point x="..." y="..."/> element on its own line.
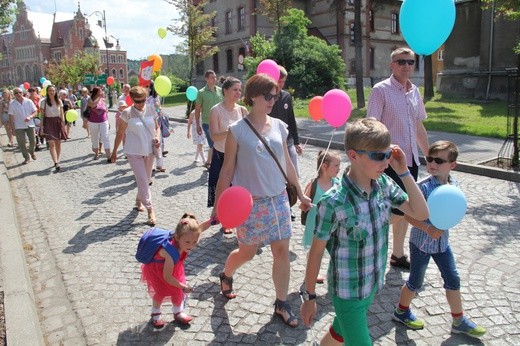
<point x="50" y="111"/>
<point x="255" y="168"/>
<point x="20" y="111"/>
<point x="140" y="130"/>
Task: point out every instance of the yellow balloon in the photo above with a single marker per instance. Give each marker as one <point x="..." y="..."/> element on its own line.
<point x="157" y="62"/>
<point x="163" y="85"/>
<point x="161" y="32"/>
<point x="71" y="115"/>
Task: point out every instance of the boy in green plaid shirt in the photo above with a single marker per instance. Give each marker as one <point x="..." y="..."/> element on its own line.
<point x="352" y="224"/>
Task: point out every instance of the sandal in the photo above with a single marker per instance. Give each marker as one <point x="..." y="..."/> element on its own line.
<point x="229" y="282"/>
<point x="139" y="205"/>
<point x="159" y="323"/>
<point x="207" y="165"/>
<point x="151" y="218"/>
<point x="160" y="169"/>
<point x="279" y="307"/>
<point x="182" y="318"/>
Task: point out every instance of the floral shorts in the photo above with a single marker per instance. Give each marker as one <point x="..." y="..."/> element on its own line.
<point x="270" y="220"/>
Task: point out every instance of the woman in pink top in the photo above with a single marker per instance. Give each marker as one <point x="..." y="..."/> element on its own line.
<point x="98" y="122"/>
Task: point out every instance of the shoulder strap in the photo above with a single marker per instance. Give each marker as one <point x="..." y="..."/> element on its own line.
<point x="314" y="187"/>
<point x="267" y="147"/>
<point x="171" y="250"/>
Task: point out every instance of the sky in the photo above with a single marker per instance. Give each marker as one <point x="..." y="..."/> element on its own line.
<point x="133" y="22"/>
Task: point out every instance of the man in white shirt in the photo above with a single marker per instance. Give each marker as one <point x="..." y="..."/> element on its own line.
<point x="21" y="114"/>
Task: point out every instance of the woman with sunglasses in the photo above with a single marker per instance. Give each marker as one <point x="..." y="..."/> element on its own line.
<point x="221" y="116"/>
<point x="53" y="124"/>
<point x="4" y="108"/>
<point x="247" y="163"/>
<point x="141" y="131"/>
<point x="98" y="122"/>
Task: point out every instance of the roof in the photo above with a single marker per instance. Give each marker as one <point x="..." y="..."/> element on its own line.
<point x="99" y="34"/>
<point x="42" y="23"/>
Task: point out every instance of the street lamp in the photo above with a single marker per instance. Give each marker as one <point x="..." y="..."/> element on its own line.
<point x="104" y="22"/>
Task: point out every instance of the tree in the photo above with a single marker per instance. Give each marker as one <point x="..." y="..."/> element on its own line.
<point x="194" y="26"/>
<point x="7" y="13"/>
<point x="71" y="70"/>
<point x="314" y="66"/>
<point x="274" y="10"/>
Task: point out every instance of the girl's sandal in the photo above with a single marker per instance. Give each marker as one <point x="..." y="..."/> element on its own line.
<point x="182" y="318"/>
<point x="229" y="283"/>
<point x="159" y="323"/>
<point x="279" y="307"/>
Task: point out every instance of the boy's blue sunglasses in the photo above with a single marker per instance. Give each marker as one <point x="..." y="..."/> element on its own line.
<point x="376" y="155"/>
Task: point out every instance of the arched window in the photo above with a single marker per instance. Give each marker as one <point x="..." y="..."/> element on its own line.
<point x="121" y="74"/>
<point x="36" y="73"/>
<point x="229" y="60"/>
<point x="27" y="73"/>
<point x="19" y="73"/>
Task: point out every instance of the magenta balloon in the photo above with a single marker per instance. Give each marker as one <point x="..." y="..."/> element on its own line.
<point x="269" y="67"/>
<point x="336" y="106"/>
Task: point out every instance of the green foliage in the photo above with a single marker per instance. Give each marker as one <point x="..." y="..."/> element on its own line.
<point x="274" y="10"/>
<point x="71" y="70"/>
<point x="7" y="13"/>
<point x="313" y="66"/>
<point x="509" y="9"/>
<point x="133" y="81"/>
<point x="178" y="84"/>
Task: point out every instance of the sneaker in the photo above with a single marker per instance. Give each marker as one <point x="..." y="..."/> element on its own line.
<point x="466" y="326"/>
<point x="408" y="319"/>
<point x="400" y="262"/>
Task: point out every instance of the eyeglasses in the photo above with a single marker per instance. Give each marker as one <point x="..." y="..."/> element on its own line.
<point x="402" y="62"/>
<point x="437" y="160"/>
<point x="17" y="92"/>
<point x="268" y="96"/>
<point x="376" y="155"/>
<point x="139" y="101"/>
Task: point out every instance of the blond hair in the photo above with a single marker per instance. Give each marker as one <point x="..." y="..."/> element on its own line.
<point x="401" y="50"/>
<point x="367" y="134"/>
<point x="187" y="224"/>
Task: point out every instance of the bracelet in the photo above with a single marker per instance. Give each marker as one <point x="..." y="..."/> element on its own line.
<point x="407" y="173"/>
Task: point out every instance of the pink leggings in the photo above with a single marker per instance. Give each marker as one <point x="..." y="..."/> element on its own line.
<point x="142" y="168"/>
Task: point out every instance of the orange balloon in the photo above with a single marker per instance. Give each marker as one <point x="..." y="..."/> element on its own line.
<point x="157" y="62"/>
<point x="315" y="108"/>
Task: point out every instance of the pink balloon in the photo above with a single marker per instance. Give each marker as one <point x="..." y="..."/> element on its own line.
<point x="269" y="67"/>
<point x="234" y="206"/>
<point x="336" y="106"/>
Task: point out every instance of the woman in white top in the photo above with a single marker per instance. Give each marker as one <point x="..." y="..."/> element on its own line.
<point x="141" y="131"/>
<point x="248" y="164"/>
<point x="52" y="124"/>
<point x="4" y="113"/>
<point x="221" y="116"/>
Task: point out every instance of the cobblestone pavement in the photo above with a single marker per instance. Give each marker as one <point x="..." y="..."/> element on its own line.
<point x="80" y="233"/>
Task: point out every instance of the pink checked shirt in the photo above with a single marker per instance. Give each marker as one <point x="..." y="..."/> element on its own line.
<point x="401" y="111"/>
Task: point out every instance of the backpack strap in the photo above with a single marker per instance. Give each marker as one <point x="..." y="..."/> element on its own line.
<point x="314" y="187"/>
<point x="171" y="250"/>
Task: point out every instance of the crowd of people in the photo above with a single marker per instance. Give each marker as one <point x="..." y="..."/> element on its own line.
<point x="256" y="146"/>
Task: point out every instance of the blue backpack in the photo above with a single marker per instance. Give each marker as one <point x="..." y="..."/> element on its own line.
<point x="151" y="241"/>
<point x="164" y="125"/>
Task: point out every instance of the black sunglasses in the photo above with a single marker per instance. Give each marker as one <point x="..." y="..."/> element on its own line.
<point x="437" y="160"/>
<point x="268" y="96"/>
<point x="376" y="155"/>
<point x="139" y="101"/>
<point x="17" y="92"/>
<point x="402" y="62"/>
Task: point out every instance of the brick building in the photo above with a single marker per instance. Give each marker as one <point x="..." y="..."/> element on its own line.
<point x="40" y="38"/>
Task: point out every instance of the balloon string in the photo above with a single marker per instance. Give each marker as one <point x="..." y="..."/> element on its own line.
<point x="326" y="151"/>
<point x="421" y="68"/>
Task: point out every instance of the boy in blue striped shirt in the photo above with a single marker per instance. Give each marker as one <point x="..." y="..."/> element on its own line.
<point x="426" y="241"/>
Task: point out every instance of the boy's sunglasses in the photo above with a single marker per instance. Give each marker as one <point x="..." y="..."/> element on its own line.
<point x="402" y="62"/>
<point x="139" y="101"/>
<point x="376" y="155"/>
<point x="437" y="160"/>
<point x="268" y="96"/>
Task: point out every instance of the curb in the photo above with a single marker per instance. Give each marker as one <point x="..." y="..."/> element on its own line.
<point x="485" y="171"/>
<point x="21" y="315"/>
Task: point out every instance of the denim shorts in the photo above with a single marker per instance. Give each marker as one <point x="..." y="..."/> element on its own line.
<point x="445" y="262"/>
<point x="270" y="220"/>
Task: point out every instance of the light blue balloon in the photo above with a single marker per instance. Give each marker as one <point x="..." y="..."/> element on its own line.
<point x="191" y="93"/>
<point x="447" y="205"/>
<point x="426" y="24"/>
<point x="43" y="79"/>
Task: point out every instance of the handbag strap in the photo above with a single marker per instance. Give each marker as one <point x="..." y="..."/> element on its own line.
<point x="267" y="147"/>
<point x="142" y="119"/>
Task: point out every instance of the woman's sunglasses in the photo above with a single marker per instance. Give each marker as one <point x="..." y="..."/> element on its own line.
<point x="437" y="160"/>
<point x="376" y="155"/>
<point x="402" y="62"/>
<point x="139" y="101"/>
<point x="268" y="97"/>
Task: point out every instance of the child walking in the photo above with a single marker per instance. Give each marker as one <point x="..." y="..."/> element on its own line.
<point x="427" y="241"/>
<point x="198" y="140"/>
<point x="328" y="164"/>
<point x="166" y="279"/>
<point x="352" y="222"/>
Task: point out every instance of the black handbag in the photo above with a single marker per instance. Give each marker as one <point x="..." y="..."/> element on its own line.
<point x="86" y="112"/>
<point x="292" y="193"/>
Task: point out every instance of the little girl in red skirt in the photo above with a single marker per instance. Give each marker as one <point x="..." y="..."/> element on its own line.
<point x="166" y="279"/>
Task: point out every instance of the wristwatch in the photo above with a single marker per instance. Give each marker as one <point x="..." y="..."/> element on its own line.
<point x="306" y="296"/>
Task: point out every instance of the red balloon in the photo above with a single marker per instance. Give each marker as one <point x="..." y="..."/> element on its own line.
<point x="129" y="101"/>
<point x="315" y="108"/>
<point x="26" y="85"/>
<point x="110" y="80"/>
<point x="234" y="206"/>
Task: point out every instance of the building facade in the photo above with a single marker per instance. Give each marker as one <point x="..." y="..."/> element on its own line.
<point x="237" y="21"/>
<point x="38" y="39"/>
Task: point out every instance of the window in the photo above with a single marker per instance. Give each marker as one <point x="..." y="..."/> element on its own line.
<point x="80" y="34"/>
<point x="120" y="59"/>
<point x="229" y="60"/>
<point x="57" y="56"/>
<point x="241" y="56"/>
<point x="19" y="72"/>
<point x="214" y="25"/>
<point x="23" y="33"/>
<point x="27" y="73"/>
<point x="395" y="23"/>
<point x="241" y="17"/>
<point x="352" y="67"/>
<point x="200" y="68"/>
<point x="215" y="63"/>
<point x="104" y="59"/>
<point x="352" y="33"/>
<point x="228" y="22"/>
<point x="121" y="74"/>
<point x="372" y="62"/>
<point x="114" y="73"/>
<point x="371" y="21"/>
<point x="36" y="72"/>
<point x="440" y="54"/>
<point x="351" y="2"/>
<point x="112" y="59"/>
